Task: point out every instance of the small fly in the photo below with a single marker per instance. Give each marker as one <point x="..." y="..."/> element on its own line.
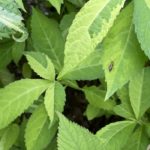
<point x="110" y="67"/>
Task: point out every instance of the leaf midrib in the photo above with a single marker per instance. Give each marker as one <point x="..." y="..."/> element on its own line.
<point x="48" y="41"/>
<point x="121" y="58"/>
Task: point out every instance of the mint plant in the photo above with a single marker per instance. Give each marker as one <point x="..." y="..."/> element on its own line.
<point x="74" y="75"/>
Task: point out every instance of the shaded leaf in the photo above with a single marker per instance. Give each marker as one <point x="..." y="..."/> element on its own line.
<point x="124" y="109"/>
<point x="95" y="96"/>
<point x="51" y="42"/>
<point x="138" y="140"/>
<point x="17" y="51"/>
<point x="9" y="137"/>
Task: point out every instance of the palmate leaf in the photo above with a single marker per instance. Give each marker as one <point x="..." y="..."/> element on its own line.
<point x="142" y="23"/>
<point x="38" y="134"/>
<point x="54" y="100"/>
<point x="56" y="4"/>
<point x="138" y="140"/>
<point x="42" y="65"/>
<point x="124" y="59"/>
<point x="85" y="35"/>
<point x="115" y="135"/>
<point x="74" y="137"/>
<point x="18" y="96"/>
<point x="139" y="92"/>
<point x="9" y="137"/>
<point x="52" y="42"/>
<point x="11" y="20"/>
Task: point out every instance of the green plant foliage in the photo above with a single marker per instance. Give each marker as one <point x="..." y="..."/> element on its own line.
<point x="125" y="51"/>
<point x="83" y="36"/>
<point x="110" y="135"/>
<point x="17" y="91"/>
<point x="42" y="65"/>
<point x="141" y="21"/>
<point x="66" y="23"/>
<point x="5" y="54"/>
<point x="82" y="138"/>
<point x="51" y="42"/>
<point x="38" y="134"/>
<point x="78" y="3"/>
<point x="74" y="74"/>
<point x="124" y="109"/>
<point x="56" y="4"/>
<point x="93" y="112"/>
<point x="95" y="96"/>
<point x="20" y="4"/>
<point x="138" y="141"/>
<point x="9" y="137"/>
<point x="54" y="100"/>
<point x="139" y="93"/>
<point x="11" y="20"/>
<point x="17" y="51"/>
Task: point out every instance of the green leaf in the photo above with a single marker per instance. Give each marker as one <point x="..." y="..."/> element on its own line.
<point x="139" y="92"/>
<point x="85" y="35"/>
<point x="125" y="50"/>
<point x="89" y="69"/>
<point x="42" y="65"/>
<point x="51" y="42"/>
<point x="11" y="21"/>
<point x="18" y="96"/>
<point x="5" y="54"/>
<point x="95" y="96"/>
<point x="26" y="71"/>
<point x="6" y="77"/>
<point x="66" y="23"/>
<point x="17" y="51"/>
<point x="141" y="21"/>
<point x="124" y="109"/>
<point x="54" y="100"/>
<point x="20" y="4"/>
<point x="38" y="134"/>
<point x="9" y="137"/>
<point x="56" y="4"/>
<point x="138" y="140"/>
<point x="52" y="145"/>
<point x="78" y="3"/>
<point x="93" y="112"/>
<point x="115" y="135"/>
<point x="73" y="137"/>
<point x="21" y="139"/>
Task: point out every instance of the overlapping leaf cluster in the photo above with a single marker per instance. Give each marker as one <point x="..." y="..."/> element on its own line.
<point x="80" y="40"/>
